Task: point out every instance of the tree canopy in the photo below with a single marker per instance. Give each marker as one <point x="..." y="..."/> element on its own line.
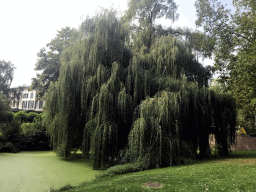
<point x="120" y="100"/>
<point x="233" y="47"/>
<point x="146" y="12"/>
<point x="49" y="61"/>
<point x="4" y="108"/>
<point x="6" y="76"/>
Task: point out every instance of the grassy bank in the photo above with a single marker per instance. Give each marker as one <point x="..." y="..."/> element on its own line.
<point x="236" y="173"/>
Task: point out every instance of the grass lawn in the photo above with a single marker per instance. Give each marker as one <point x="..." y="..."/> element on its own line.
<point x="235" y="173"/>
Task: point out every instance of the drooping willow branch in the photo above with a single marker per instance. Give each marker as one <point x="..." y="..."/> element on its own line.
<point x="150" y="101"/>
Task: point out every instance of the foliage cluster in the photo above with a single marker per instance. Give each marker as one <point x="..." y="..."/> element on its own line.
<point x="144" y="94"/>
<point x="24" y="117"/>
<point x="15" y="95"/>
<point x="4" y="109"/>
<point x="24" y="131"/>
<point x="6" y="76"/>
<point x="10" y="137"/>
<point x="49" y="60"/>
<point x="232" y="43"/>
<point x="121" y="169"/>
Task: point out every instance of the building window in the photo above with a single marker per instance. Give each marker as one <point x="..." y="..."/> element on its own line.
<point x="25" y="95"/>
<point x="41" y="104"/>
<point x="13" y="104"/>
<point x="31" y="104"/>
<point x="31" y="95"/>
<point x="24" y="104"/>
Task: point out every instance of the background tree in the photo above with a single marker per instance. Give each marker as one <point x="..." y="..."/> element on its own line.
<point x="4" y="108"/>
<point x="6" y="76"/>
<point x="145" y="13"/>
<point x="242" y="75"/>
<point x="233" y="50"/>
<point x="16" y="95"/>
<point x="49" y="61"/>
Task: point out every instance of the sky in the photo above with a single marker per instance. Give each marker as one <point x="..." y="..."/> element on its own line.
<point x="28" y="25"/>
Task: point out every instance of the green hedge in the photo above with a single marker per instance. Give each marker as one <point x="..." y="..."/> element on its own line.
<point x="25" y="117"/>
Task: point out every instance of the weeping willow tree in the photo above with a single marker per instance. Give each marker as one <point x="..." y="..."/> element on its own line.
<point x="173" y="125"/>
<point x="151" y="101"/>
<point x="86" y="65"/>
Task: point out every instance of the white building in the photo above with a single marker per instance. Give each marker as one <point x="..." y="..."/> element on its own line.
<point x="22" y="99"/>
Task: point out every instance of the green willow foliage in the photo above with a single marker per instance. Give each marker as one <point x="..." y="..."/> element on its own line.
<point x="173" y="125"/>
<point x="116" y="94"/>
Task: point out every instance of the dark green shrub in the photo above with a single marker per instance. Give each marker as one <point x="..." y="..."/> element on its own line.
<point x="38" y="121"/>
<point x="64" y="188"/>
<point x="9" y="116"/>
<point x="122" y="169"/>
<point x="4" y="108"/>
<point x="10" y="148"/>
<point x="28" y="129"/>
<point x="40" y="141"/>
<point x="15" y="136"/>
<point x="11" y="136"/>
<point x="34" y="137"/>
<point x="31" y="116"/>
<point x="11" y="132"/>
<point x="20" y="116"/>
<point x="25" y="117"/>
<point x="6" y="117"/>
<point x="34" y="133"/>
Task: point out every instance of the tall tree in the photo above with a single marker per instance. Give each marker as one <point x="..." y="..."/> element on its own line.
<point x="6" y="76"/>
<point x="49" y="61"/>
<point x="243" y="75"/>
<point x="4" y="108"/>
<point x="145" y="13"/>
<point x="151" y="101"/>
<point x="228" y="36"/>
<point x="233" y="49"/>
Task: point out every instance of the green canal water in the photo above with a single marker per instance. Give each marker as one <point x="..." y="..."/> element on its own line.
<point x="40" y="171"/>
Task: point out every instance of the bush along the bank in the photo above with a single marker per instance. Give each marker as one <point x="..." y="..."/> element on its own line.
<point x="25" y="117"/>
<point x="122" y="169"/>
<point x="34" y="138"/>
<point x="10" y="137"/>
<point x="26" y="136"/>
<point x="34" y="133"/>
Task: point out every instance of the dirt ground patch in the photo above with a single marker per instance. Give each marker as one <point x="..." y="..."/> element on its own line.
<point x="152" y="184"/>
